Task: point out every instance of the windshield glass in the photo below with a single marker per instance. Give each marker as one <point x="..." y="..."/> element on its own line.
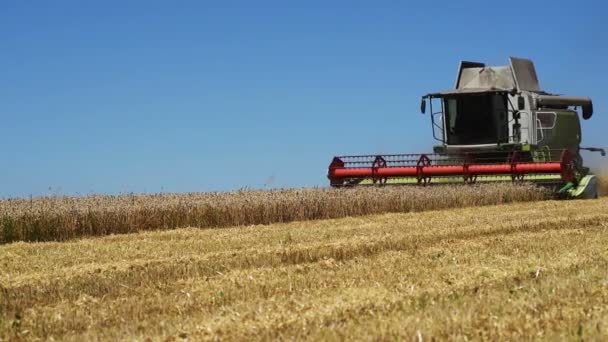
<point x="474" y="119"/>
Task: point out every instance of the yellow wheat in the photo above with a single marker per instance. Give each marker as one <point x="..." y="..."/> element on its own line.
<point x="511" y="272"/>
<point x="64" y="218"/>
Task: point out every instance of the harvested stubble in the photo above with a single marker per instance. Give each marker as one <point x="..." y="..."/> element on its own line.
<point x="522" y="271"/>
<point x="64" y="218"/>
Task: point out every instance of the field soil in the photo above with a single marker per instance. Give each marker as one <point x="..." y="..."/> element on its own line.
<point x="507" y="272"/>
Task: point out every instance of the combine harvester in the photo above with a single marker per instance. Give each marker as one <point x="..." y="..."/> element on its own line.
<point x="496" y="125"/>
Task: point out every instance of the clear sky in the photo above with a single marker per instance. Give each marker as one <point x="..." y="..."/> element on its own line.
<point x="150" y="96"/>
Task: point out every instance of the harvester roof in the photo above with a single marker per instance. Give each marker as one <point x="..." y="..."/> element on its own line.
<point x="474" y="77"/>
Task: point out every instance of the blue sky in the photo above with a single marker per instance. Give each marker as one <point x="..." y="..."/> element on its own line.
<point x="149" y="96"/>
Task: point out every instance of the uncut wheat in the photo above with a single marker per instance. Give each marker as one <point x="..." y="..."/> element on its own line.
<point x="64" y="218"/>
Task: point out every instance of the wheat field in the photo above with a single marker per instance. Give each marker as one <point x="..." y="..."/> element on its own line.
<point x="63" y="218"/>
<point x="506" y="272"/>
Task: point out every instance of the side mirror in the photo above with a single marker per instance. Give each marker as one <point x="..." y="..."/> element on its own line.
<point x="521" y="103"/>
<point x="516" y="115"/>
<point x="423" y="106"/>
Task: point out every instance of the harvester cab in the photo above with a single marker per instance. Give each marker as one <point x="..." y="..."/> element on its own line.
<point x="497" y="124"/>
